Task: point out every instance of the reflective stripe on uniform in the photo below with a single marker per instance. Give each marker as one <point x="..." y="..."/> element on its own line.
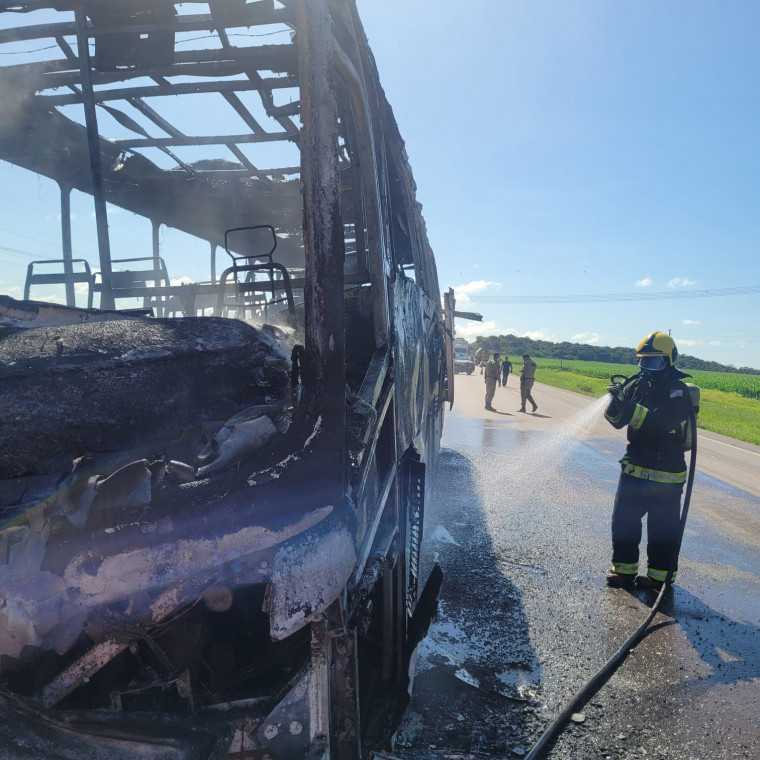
<point x="624" y="568"/>
<point x="657" y="476"/>
<point x="639" y="413"/>
<point x="659" y="575"/>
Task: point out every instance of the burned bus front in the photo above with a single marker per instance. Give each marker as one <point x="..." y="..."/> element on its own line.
<point x="222" y="379"/>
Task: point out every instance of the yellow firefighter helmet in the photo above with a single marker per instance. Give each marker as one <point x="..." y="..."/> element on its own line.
<point x="658" y="344"/>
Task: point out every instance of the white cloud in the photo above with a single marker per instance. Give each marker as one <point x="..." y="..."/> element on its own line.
<point x="184" y="280"/>
<point x="681" y="282"/>
<point x="585" y="337"/>
<point x="691" y="322"/>
<point x="466" y="328"/>
<point x="682" y="342"/>
<point x="714" y="342"/>
<point x="538" y="335"/>
<point x="50" y="299"/>
<point x="476" y="286"/>
<point x="462" y="293"/>
<point x="645" y="283"/>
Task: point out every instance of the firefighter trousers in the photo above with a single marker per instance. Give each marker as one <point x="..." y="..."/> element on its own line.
<point x="661" y="503"/>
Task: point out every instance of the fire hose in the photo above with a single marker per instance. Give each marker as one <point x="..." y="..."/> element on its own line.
<point x="606" y="672"/>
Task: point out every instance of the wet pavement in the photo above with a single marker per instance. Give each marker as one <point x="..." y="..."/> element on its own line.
<point x="519" y="522"/>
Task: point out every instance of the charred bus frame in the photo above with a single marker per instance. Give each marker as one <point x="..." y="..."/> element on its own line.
<point x="225" y="564"/>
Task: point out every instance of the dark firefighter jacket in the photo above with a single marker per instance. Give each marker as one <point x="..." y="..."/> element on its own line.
<point x="657" y="409"/>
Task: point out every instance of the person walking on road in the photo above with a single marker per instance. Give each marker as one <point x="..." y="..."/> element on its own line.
<point x="506" y="368"/>
<point x="656" y="405"/>
<point x="492" y="373"/>
<point x="481" y="357"/>
<point x="527" y="378"/>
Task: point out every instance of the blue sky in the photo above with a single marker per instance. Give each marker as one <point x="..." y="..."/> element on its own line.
<point x="580" y="148"/>
<point x="597" y="147"/>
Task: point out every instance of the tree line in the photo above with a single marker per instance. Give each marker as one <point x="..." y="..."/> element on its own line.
<point x="515" y="347"/>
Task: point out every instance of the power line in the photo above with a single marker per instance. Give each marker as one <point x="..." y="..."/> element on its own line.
<point x="57" y="246"/>
<point x="18" y="252"/>
<point x="610" y="297"/>
<point x="29" y="237"/>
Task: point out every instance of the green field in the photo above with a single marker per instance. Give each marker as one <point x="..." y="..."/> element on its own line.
<point x="730" y="403"/>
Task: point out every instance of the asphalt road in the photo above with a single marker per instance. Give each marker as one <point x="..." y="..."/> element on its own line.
<point x="519" y="522"/>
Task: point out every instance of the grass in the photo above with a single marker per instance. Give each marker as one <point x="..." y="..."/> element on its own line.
<point x="727" y="382"/>
<point x="730" y="414"/>
<point x="726" y="413"/>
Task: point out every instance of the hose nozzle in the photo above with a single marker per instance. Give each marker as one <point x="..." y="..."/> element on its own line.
<point x="615" y="388"/>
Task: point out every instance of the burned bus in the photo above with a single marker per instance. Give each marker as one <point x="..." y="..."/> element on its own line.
<point x="217" y="416"/>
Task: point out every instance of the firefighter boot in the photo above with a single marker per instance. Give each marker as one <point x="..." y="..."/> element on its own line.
<point x="620" y="580"/>
<point x="646" y="581"/>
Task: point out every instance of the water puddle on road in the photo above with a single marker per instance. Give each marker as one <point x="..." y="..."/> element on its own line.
<point x="539" y="456"/>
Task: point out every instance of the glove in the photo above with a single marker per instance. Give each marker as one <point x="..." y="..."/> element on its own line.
<point x="616" y="391"/>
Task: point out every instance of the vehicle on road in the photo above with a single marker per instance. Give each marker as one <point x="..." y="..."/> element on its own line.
<point x="462" y="361"/>
<point x="213" y="455"/>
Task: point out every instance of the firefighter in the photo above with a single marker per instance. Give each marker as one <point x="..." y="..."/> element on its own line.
<point x="656" y="406"/>
<point x="492" y="372"/>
